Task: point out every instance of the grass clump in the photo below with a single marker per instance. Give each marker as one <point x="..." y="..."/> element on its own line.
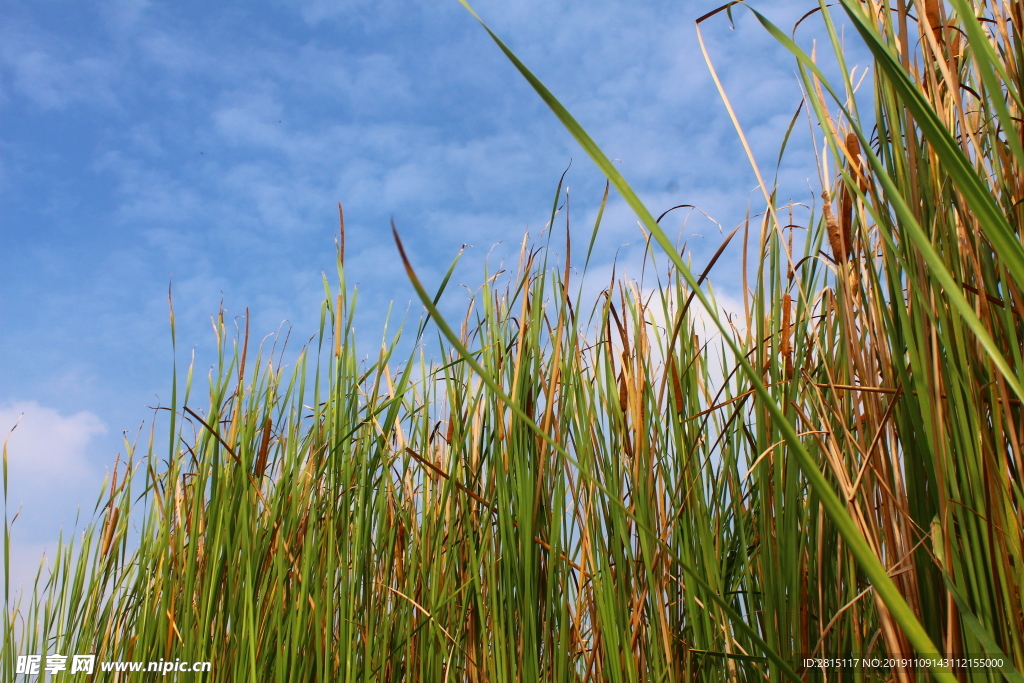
<point x="627" y="488"/>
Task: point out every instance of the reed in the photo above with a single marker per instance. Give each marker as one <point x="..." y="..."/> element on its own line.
<point x="626" y="488"/>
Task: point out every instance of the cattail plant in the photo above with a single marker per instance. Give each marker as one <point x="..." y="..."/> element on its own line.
<point x="626" y="488"/>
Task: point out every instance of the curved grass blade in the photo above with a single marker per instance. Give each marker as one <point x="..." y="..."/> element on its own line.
<point x="909" y="222"/>
<point x="834" y="507"/>
<point x="737" y="620"/>
<point x="957" y="165"/>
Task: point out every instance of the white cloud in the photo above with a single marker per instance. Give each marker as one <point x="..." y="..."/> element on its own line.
<point x="47" y="449"/>
<point x="49" y="476"/>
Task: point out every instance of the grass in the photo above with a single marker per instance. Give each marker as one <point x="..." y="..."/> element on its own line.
<point x="628" y="488"/>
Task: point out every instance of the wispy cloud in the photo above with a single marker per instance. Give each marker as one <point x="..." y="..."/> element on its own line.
<point x="46" y="452"/>
<point x="50" y="478"/>
<point x="51" y="73"/>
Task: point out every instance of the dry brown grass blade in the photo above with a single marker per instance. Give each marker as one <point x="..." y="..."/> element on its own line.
<point x="847" y="197"/>
<point x="786" y="345"/>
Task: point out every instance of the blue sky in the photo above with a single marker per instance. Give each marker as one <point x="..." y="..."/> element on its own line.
<point x="207" y="144"/>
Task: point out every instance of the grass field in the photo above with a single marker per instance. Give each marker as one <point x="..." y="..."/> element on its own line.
<point x="629" y="487"/>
